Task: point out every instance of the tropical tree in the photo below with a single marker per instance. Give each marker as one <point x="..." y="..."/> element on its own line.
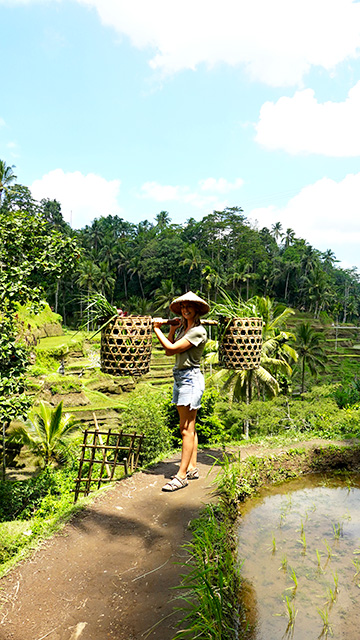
<point x="136" y="268"/>
<point x="7" y="176"/>
<point x="139" y="306"/>
<point x="289" y="237"/>
<point x="277" y="355"/>
<point x="162" y="219"/>
<point x="105" y="279"/>
<point x="164" y="295"/>
<point x="193" y="259"/>
<point x="310" y="347"/>
<point x="213" y="280"/>
<point x="88" y="279"/>
<point x="46" y="431"/>
<point x="276" y="231"/>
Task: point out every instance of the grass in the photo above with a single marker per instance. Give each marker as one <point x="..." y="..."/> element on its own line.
<point x="19" y="538"/>
<point x="211" y="584"/>
<point x="98" y="401"/>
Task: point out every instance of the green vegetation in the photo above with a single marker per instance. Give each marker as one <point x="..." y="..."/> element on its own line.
<point x="31" y="510"/>
<point x="306" y="386"/>
<point x="214" y="568"/>
<point x="213" y="580"/>
<point x="45" y="432"/>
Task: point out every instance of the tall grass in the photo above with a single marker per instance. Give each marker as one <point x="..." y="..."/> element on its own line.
<point x="211" y="585"/>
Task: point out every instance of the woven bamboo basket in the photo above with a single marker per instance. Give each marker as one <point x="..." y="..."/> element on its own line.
<point x="126" y="346"/>
<point x="241" y="342"/>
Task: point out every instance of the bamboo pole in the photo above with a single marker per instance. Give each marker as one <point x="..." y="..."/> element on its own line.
<point x="172" y="320"/>
<point x="107" y="467"/>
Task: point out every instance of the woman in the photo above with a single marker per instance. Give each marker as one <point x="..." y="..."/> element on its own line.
<point x="189" y="385"/>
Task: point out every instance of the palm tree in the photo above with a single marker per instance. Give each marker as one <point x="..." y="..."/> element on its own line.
<point x="136" y="268"/>
<point x="276" y="231"/>
<point x="7" y="176"/>
<point x="276" y="355"/>
<point x="162" y="219"/>
<point x="289" y="237"/>
<point x="193" y="259"/>
<point x="310" y="350"/>
<point x="46" y="431"/>
<point x="139" y="306"/>
<point x="164" y="295"/>
<point x="88" y="278"/>
<point x="105" y="279"/>
<point x="96" y="234"/>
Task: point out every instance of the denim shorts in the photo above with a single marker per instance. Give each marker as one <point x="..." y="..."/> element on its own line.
<point x="189" y="386"/>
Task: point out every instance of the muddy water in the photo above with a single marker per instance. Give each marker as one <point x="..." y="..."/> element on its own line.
<point x="300" y="547"/>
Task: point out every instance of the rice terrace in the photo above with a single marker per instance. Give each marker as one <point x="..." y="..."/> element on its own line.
<point x="261" y="539"/>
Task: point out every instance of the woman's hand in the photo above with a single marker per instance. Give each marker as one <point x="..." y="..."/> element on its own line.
<point x="158" y="322"/>
<point x="175" y="322"/>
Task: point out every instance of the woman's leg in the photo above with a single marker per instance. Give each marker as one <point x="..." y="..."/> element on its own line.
<point x="189" y="439"/>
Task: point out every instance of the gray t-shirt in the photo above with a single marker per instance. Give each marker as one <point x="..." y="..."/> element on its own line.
<point x="191" y="358"/>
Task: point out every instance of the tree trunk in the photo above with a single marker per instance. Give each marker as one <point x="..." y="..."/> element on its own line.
<point x="3" y="460"/>
<point x="88" y="311"/>
<point x="287" y="284"/>
<point x="246" y="422"/>
<point x="303" y="376"/>
<point x="56" y="296"/>
<point x="125" y="287"/>
<point x="5" y="426"/>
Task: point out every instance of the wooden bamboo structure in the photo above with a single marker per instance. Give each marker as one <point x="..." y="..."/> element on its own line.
<point x="110" y="451"/>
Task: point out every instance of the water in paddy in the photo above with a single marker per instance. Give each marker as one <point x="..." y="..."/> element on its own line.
<point x="300" y="547"/>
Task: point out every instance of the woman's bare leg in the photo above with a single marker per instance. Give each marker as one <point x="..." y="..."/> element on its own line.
<point x="189" y="439"/>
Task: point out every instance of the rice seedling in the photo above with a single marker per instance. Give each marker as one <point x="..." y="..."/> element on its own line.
<point x="303" y="542"/>
<point x="331" y="594"/>
<point x="336" y="581"/>
<point x="284" y="563"/>
<point x="293" y="577"/>
<point x="328" y="549"/>
<point x="273" y="545"/>
<point x="324" y="615"/>
<point x="318" y="556"/>
<point x="356" y="563"/>
<point x="338" y="530"/>
<point x="291" y="613"/>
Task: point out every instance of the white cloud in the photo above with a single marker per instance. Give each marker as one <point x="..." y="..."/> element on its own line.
<point x="82" y="197"/>
<point x="220" y="185"/>
<point x="277" y="41"/>
<point x="303" y="125"/>
<point x="326" y="214"/>
<point x="13" y="149"/>
<point x="182" y="195"/>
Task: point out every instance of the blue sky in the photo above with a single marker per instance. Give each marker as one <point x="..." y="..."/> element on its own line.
<point x="131" y="108"/>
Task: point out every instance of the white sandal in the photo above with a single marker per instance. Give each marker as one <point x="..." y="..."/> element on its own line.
<point x="175" y="484"/>
<point x="193" y="474"/>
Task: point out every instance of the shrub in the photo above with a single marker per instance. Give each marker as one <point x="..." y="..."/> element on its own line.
<point x="145" y="412"/>
<point x="21" y="500"/>
<point x="347" y="395"/>
<point x="209" y="426"/>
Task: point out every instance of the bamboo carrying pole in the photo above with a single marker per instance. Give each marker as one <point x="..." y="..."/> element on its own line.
<point x="174" y="320"/>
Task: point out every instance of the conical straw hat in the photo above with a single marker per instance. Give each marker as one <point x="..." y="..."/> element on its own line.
<point x="202" y="305"/>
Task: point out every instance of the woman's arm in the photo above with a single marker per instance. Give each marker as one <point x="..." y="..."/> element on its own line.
<point x="171" y="347"/>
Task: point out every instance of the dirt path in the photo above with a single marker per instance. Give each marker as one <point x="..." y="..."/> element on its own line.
<point x="111" y="570"/>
